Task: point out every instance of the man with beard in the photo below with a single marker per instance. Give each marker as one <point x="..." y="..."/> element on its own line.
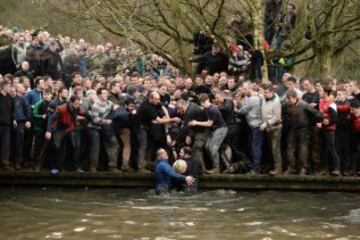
<point x="123" y="125"/>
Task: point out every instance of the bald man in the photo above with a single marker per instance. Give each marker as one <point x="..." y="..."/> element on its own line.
<point x="153" y="116"/>
<point x="166" y="177"/>
<point x="24" y="71"/>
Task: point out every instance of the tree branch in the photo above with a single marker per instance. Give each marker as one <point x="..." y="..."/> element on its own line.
<point x="219" y="11"/>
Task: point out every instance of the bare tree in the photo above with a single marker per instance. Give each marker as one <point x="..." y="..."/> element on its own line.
<point x="324" y="28"/>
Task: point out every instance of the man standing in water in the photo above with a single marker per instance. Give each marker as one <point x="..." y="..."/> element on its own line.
<point x="165" y="175"/>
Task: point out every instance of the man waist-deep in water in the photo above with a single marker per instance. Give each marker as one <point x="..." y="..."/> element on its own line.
<point x="165" y="175"/>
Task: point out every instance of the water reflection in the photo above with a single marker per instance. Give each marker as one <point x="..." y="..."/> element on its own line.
<point x="128" y="214"/>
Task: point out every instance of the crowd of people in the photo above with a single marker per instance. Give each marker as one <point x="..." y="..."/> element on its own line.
<point x="66" y="105"/>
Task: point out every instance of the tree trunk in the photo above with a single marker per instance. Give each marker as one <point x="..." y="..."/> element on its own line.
<point x="326" y="47"/>
<point x="324" y="63"/>
<point x="184" y="57"/>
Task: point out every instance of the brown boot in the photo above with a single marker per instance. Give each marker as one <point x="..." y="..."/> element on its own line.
<point x="303" y="172"/>
<point x="143" y="170"/>
<point x="6" y="167"/>
<point x="127" y="168"/>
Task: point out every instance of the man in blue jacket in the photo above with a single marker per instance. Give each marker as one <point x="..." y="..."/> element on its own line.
<point x="165" y="175"/>
<point x="35" y="95"/>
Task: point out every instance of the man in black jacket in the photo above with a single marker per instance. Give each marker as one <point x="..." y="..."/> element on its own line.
<point x="215" y="61"/>
<point x="226" y="106"/>
<point x="202" y="42"/>
<point x="23" y="119"/>
<point x="312" y="97"/>
<point x="195" y="136"/>
<point x="25" y="71"/>
<point x="52" y="62"/>
<point x="151" y="134"/>
<point x="7" y="120"/>
<point x="343" y="133"/>
<point x="218" y="131"/>
<point x="34" y="54"/>
<point x="193" y="168"/>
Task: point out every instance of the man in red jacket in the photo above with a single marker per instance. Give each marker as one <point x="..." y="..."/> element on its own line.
<point x="62" y="130"/>
<point x="354" y="115"/>
<point x="343" y="132"/>
<point x="328" y="108"/>
<point x="355" y="109"/>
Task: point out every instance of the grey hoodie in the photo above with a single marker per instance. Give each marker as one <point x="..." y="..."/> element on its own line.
<point x="271" y="112"/>
<point x="252" y="110"/>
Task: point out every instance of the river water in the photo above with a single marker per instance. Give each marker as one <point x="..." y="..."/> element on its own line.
<point x="135" y="214"/>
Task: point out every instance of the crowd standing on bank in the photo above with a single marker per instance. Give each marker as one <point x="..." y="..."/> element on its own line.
<point x="66" y="105"/>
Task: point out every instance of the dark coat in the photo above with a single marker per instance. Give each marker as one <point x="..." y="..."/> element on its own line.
<point x="51" y="63"/>
<point x="213" y="63"/>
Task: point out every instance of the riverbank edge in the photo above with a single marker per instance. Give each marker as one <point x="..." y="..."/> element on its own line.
<point x="217" y="181"/>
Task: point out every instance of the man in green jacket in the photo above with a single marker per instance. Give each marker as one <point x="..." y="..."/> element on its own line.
<point x="40" y="119"/>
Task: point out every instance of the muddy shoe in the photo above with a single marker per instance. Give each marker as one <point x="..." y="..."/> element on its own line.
<point x="212" y="171"/>
<point x="323" y="173"/>
<point x="274" y="172"/>
<point x="335" y="173"/>
<point x="229" y="170"/>
<point x="251" y="173"/>
<point x="143" y="170"/>
<point x="17" y="167"/>
<point x="79" y="170"/>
